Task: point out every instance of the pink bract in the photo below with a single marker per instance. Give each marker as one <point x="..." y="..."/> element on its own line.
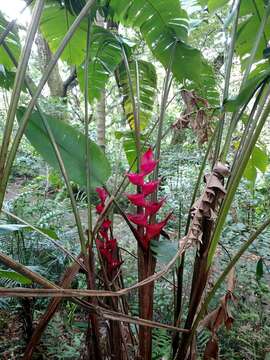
<point x="150" y="187"/>
<point x="148" y="162"/>
<point x="102" y="194"/>
<point x="137" y="199"/>
<point x="152" y="207"/>
<point x="138" y="219"/>
<point x="136" y="179"/>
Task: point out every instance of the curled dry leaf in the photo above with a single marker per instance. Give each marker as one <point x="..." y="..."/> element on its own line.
<point x="194" y="116"/>
<point x="231" y="280"/>
<point x="214" y="320"/>
<point x="222" y="315"/>
<point x="207" y="205"/>
<point x="211" y="350"/>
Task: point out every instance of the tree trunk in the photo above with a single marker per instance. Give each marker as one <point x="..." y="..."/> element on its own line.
<point x="55" y="82"/>
<point x="101" y="121"/>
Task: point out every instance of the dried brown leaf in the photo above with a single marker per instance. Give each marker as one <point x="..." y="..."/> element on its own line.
<point x="211" y="350"/>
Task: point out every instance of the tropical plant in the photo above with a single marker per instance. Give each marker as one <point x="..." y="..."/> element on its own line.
<point x="101" y="55"/>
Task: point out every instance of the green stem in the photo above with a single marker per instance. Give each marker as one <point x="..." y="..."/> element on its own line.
<point x="18" y="83"/>
<point x="225" y="272"/>
<point x="238" y="172"/>
<point x="11" y="24"/>
<point x="227" y="80"/>
<point x="86" y="132"/>
<point x="235" y="117"/>
<point x="58" y="155"/>
<point x="38" y="91"/>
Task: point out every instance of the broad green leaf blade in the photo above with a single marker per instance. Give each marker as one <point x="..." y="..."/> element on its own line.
<point x="12" y="41"/>
<point x="55" y="22"/>
<point x="148" y="87"/>
<point x="72" y="147"/>
<point x="153" y="16"/>
<point x="260" y="74"/>
<point x="164" y="25"/>
<point x="7" y="228"/>
<point x="164" y="250"/>
<point x="259" y="269"/>
<point x="250" y="172"/>
<point x="251" y="12"/>
<point x="14" y="276"/>
<point x="105" y="56"/>
<point x="214" y="5"/>
<point x="260" y="159"/>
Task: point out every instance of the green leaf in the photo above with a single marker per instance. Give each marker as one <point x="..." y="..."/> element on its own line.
<point x="164" y="26"/>
<point x="105" y="55"/>
<point x="259" y="269"/>
<point x="6" y="78"/>
<point x="148" y="87"/>
<point x="7" y="228"/>
<point x="13" y="42"/>
<point x="266" y="53"/>
<point x="214" y="5"/>
<point x="49" y="232"/>
<point x="164" y="250"/>
<point x="251" y="12"/>
<point x="55" y="22"/>
<point x="260" y="159"/>
<point x="257" y="76"/>
<point x="71" y="144"/>
<point x="129" y="145"/>
<point x="14" y="276"/>
<point x="250" y="172"/>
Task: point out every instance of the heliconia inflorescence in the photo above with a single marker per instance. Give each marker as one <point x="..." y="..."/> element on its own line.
<point x="150" y="208"/>
<point x="105" y="243"/>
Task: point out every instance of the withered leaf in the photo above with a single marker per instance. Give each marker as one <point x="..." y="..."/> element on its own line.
<point x="211" y="350"/>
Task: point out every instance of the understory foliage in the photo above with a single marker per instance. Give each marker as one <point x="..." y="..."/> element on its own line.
<point x="135" y="206"/>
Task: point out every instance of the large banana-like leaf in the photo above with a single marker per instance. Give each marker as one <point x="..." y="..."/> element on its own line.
<point x="164" y="26"/>
<point x="72" y="145"/>
<point x="13" y="42"/>
<point x="55" y="22"/>
<point x="147" y="85"/>
<point x="251" y="12"/>
<point x="105" y="56"/>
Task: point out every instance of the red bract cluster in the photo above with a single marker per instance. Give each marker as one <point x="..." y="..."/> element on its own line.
<point x="151" y="230"/>
<point x="106" y="245"/>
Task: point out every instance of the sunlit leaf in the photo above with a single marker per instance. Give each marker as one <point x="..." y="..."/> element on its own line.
<point x="14" y="276"/>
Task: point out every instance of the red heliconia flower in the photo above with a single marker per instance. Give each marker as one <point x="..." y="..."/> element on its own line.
<point x="153" y="230"/>
<point x="138" y="219"/>
<point x="115" y="264"/>
<point x="104" y="234"/>
<point x="137" y="199"/>
<point x="100" y="208"/>
<point x="136" y="179"/>
<point x="150" y="187"/>
<point x="106" y="224"/>
<point x="152" y="207"/>
<point x="148" y="162"/>
<point x="102" y="194"/>
<point x="106" y="246"/>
